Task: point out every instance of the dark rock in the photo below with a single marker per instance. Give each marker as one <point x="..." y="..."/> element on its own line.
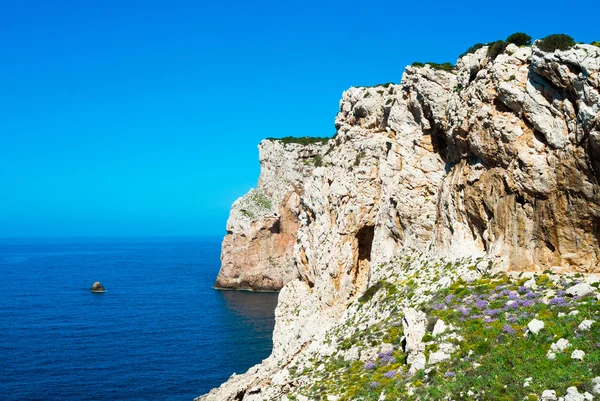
<point x="97" y="287"/>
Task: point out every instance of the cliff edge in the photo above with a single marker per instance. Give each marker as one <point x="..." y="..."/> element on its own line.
<point x="451" y="180"/>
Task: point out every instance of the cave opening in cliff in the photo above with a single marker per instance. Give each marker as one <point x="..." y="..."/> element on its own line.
<point x="365" y="243"/>
<point x="364" y="238"/>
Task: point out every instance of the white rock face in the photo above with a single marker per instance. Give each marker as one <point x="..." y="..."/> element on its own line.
<point x="499" y="159"/>
<point x="414" y="323"/>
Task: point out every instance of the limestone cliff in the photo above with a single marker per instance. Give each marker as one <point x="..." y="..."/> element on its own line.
<point x="257" y="252"/>
<point x="497" y="160"/>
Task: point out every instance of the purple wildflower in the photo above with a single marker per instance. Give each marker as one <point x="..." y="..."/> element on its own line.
<point x="508" y="329"/>
<point x="449" y="298"/>
<point x="481" y="304"/>
<point x="439" y="306"/>
<point x="530" y="295"/>
<point x="374" y="384"/>
<point x="464" y="311"/>
<point x="491" y="312"/>
<point x="561" y="293"/>
<point x="448" y="375"/>
<point x="488" y="319"/>
<point x="499" y="288"/>
<point x="512" y="319"/>
<point x="526" y="303"/>
<point x="390" y="374"/>
<point x="559" y="301"/>
<point x="513" y="296"/>
<point x="369" y="365"/>
<point x="522" y="289"/>
<point x="506" y="292"/>
<point x="476" y="317"/>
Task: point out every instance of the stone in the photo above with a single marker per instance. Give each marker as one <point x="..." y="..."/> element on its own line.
<point x="560" y="346"/>
<point x="578" y="354"/>
<point x="535" y="326"/>
<point x="97" y="287"/>
<point x="596" y="385"/>
<point x="551" y="355"/>
<point x="586" y="325"/>
<point x="580" y="290"/>
<point x="439" y="328"/>
<point x="437" y="357"/>
<point x="573" y="395"/>
<point x="548" y="395"/>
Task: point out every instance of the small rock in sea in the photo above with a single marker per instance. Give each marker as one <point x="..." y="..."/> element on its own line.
<point x="97" y="287"/>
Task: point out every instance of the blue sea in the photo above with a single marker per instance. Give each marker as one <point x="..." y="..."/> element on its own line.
<point x="160" y="332"/>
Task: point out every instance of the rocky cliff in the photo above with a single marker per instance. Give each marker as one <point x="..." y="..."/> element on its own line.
<point x="446" y="178"/>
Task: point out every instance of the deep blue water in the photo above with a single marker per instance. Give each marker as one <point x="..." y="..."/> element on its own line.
<point x="161" y="332"/>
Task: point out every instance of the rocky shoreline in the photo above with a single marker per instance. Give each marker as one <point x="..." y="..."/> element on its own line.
<point x="476" y="179"/>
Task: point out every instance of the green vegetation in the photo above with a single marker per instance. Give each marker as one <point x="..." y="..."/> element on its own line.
<point x="358" y="158"/>
<point x="368" y="295"/>
<point x="519" y="39"/>
<point x="595" y="43"/>
<point x="260" y="199"/>
<point x="472" y="49"/>
<point x="492" y="356"/>
<point x="496" y="48"/>
<point x="303" y="140"/>
<point x="449" y="67"/>
<point x="555" y="42"/>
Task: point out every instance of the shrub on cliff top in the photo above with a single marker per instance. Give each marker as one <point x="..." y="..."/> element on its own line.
<point x="519" y="39"/>
<point x="472" y="49"/>
<point x="303" y="140"/>
<point x="555" y="42"/>
<point x="597" y="44"/>
<point x="436" y="66"/>
<point x="496" y="48"/>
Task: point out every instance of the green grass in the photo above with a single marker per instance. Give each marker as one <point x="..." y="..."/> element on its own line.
<point x="489" y="359"/>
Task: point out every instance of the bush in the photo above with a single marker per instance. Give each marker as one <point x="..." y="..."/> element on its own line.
<point x="597" y="44"/>
<point x="519" y="39"/>
<point x="436" y="66"/>
<point x="555" y="42"/>
<point x="472" y="49"/>
<point x="303" y="140"/>
<point x="496" y="48"/>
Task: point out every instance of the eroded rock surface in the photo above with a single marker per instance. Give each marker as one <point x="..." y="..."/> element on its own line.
<point x="498" y="160"/>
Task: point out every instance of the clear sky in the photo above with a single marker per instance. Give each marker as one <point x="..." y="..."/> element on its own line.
<point x="143" y="117"/>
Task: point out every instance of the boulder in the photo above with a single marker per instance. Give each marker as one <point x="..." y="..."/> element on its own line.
<point x="97" y="287"/>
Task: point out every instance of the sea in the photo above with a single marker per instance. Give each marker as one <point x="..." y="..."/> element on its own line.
<point x="160" y="332"/>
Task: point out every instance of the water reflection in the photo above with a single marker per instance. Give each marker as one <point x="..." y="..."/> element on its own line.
<point x="256" y="309"/>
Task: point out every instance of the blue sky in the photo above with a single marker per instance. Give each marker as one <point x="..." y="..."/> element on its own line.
<point x="143" y="117"/>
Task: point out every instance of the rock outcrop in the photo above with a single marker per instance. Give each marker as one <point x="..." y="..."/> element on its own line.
<point x="497" y="160"/>
<point x="257" y="252"/>
<point x="97" y="287"/>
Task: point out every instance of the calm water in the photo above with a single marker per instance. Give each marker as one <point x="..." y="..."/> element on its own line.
<point x="159" y="333"/>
